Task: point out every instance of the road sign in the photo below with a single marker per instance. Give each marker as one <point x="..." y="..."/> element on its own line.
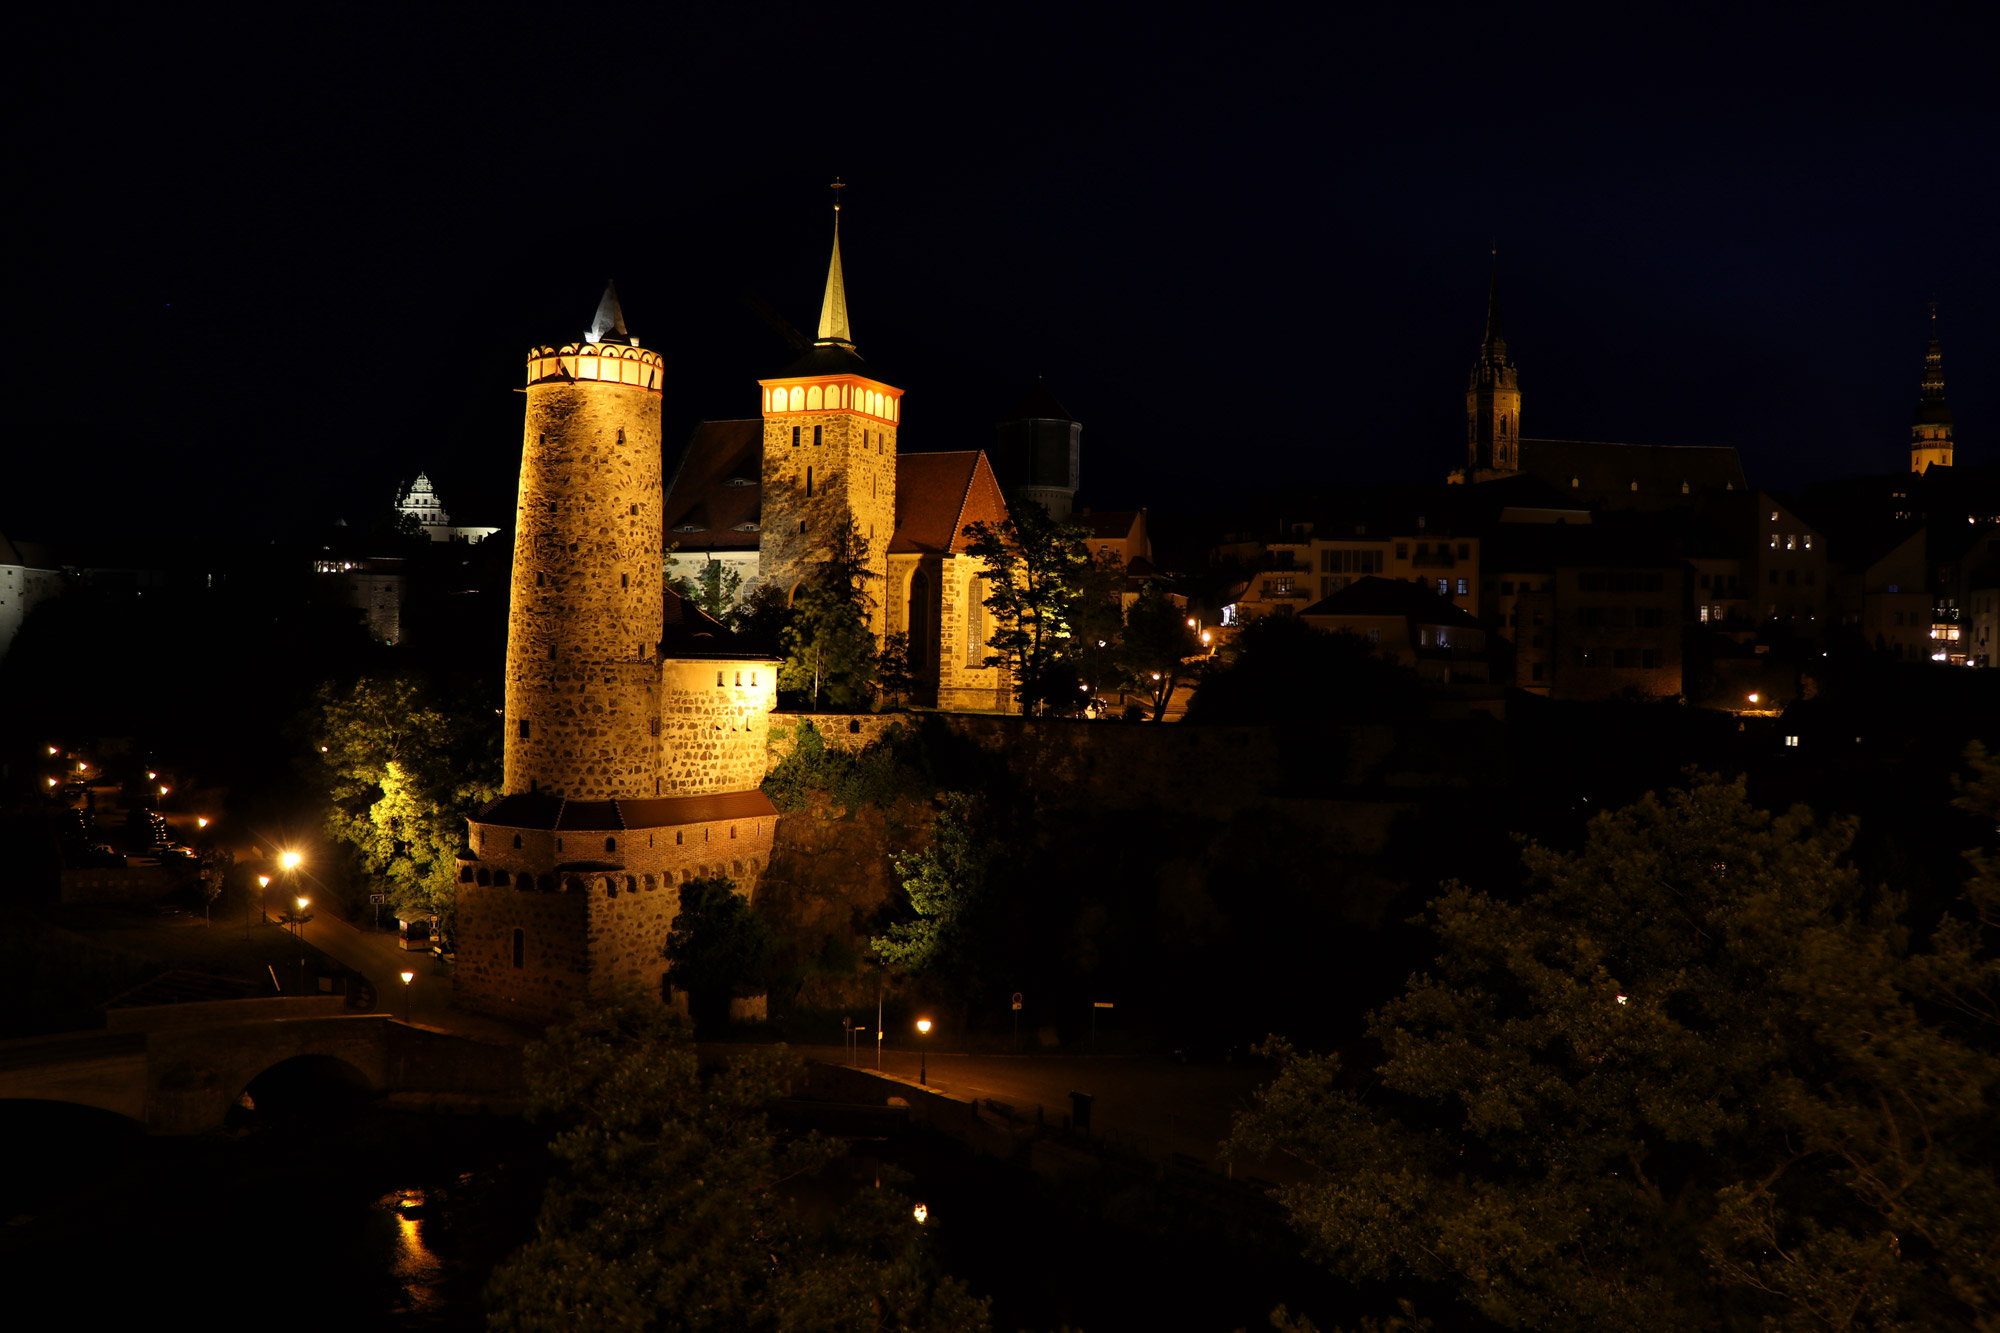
<point x="1017" y="999"/>
<point x="377" y="899"/>
<point x="1100" y="1004"/>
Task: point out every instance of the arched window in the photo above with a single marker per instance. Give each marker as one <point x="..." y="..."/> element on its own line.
<point x="1503" y="425"/>
<point x="517" y="842"/>
<point x="975" y="622"/>
<point x="611" y="844"/>
<point x="813" y="404"/>
<point x="520" y="947"/>
<point x="798" y="399"/>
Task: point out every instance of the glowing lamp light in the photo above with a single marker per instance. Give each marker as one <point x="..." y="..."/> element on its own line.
<point x="921" y="1213"/>
<point x="263" y="881"/>
<point x="152" y="775"/>
<point x="163" y="789"/>
<point x="1753" y="698"/>
<point x="302" y="903"/>
<point x="1204" y="636"/>
<point x="1190" y="622"/>
<point x="408" y="977"/>
<point x="52" y="749"/>
<point x="924" y="1025"/>
<point x="290" y="860"/>
<point x="322" y="749"/>
<point x="1621" y="999"/>
<point x="52" y="782"/>
<point x="201" y="821"/>
<point x="1084" y="688"/>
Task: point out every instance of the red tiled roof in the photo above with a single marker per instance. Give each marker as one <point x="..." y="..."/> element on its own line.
<point x="537" y="811"/>
<point x="939" y="495"/>
<point x="700" y="496"/>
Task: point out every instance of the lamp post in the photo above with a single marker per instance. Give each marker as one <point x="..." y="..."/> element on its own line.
<point x="300" y="929"/>
<point x="923" y="1051"/>
<point x="263" y="911"/>
<point x="408" y="977"/>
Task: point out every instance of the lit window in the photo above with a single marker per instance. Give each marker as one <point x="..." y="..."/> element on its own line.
<point x="1791" y="541"/>
<point x="1704" y="615"/>
<point x="1464" y="587"/>
<point x="1792" y="741"/>
<point x="1774" y="541"/>
<point x="1809" y="541"/>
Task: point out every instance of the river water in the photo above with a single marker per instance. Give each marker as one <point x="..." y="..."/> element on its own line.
<point x="374" y="1218"/>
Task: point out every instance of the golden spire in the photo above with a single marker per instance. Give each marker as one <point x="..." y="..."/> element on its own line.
<point x="833" y="310"/>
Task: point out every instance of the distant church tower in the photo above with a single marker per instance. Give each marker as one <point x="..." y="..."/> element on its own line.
<point x="1930" y="432"/>
<point x="1493" y="400"/>
<point x="829" y="450"/>
<point x="1038" y="448"/>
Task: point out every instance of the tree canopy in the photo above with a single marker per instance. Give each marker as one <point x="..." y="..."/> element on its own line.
<point x="402" y="766"/>
<point x="717" y="948"/>
<point x="674" y="1206"/>
<point x="1035" y="566"/>
<point x="1691" y="1078"/>
<point x="947" y="888"/>
<point x="830" y="653"/>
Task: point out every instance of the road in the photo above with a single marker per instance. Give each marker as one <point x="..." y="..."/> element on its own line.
<point x="379" y="956"/>
<point x="1157" y="1103"/>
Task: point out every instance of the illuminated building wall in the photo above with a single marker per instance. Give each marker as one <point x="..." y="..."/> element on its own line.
<point x="584" y="626"/>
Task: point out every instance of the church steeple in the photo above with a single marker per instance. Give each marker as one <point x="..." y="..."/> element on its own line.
<point x="608" y="324"/>
<point x="1930" y="431"/>
<point x="833" y="329"/>
<point x="1493" y="398"/>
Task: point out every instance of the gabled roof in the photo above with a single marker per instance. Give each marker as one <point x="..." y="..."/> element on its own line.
<point x="1372" y="596"/>
<point x="1605" y="472"/>
<point x="1111" y="525"/>
<point x="939" y="495"/>
<point x="700" y="494"/>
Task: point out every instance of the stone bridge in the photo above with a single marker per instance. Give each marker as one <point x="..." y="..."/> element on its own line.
<point x="179" y="1069"/>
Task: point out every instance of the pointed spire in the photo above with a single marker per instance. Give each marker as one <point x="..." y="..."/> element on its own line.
<point x="833" y="326"/>
<point x="1931" y="409"/>
<point x="608" y="325"/>
<point x="1493" y="333"/>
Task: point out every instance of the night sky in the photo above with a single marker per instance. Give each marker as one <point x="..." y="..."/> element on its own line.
<point x="1246" y="248"/>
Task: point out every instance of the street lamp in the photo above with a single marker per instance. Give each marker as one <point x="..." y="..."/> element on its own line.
<point x="923" y="1051"/>
<point x="300" y="928"/>
<point x="408" y="977"/>
<point x="263" y="908"/>
<point x="290" y="860"/>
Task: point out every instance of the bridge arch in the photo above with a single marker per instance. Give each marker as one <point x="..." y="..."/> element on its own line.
<point x="310" y="1084"/>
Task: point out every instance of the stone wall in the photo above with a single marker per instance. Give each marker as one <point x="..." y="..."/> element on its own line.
<point x="675" y="854"/>
<point x="555" y="958"/>
<point x="628" y="936"/>
<point x="714" y="725"/>
<point x="852" y="476"/>
<point x="965" y="624"/>
<point x="584" y="625"/>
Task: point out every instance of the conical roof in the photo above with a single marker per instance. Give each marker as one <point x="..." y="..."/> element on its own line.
<point x="1038" y="404"/>
<point x="1931" y="409"/>
<point x="608" y="324"/>
<point x="833" y="327"/>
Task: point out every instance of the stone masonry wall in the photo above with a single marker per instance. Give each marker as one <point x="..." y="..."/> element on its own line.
<point x="715" y="720"/>
<point x="584" y="625"/>
<point x="962" y="685"/>
<point x="737" y="848"/>
<point x="554" y="974"/>
<point x="853" y="476"/>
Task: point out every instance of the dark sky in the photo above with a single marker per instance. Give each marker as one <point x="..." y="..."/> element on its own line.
<point x="1246" y="247"/>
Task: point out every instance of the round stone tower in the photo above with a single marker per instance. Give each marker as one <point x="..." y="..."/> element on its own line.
<point x="583" y="630"/>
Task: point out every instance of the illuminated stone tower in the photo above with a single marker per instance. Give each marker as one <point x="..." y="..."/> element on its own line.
<point x="635" y="727"/>
<point x="1930" y="432"/>
<point x="1493" y="400"/>
<point x="829" y="450"/>
<point x="583" y="631"/>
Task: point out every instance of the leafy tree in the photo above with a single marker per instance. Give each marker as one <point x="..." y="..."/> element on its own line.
<point x="1097" y="628"/>
<point x="402" y="767"/>
<point x="947" y="888"/>
<point x="1157" y="644"/>
<point x="760" y="615"/>
<point x="895" y="674"/>
<point x="829" y="648"/>
<point x="1035" y="565"/>
<point x="1691" y="1079"/>
<point x="717" y="948"/>
<point x="674" y="1207"/>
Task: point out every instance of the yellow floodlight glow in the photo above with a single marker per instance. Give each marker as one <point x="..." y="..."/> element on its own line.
<point x="924" y="1025"/>
<point x="201" y="821"/>
<point x="921" y="1213"/>
<point x="263" y="881"/>
<point x="290" y="860"/>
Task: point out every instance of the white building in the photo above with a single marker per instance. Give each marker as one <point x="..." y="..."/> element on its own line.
<point x="29" y="576"/>
<point x="421" y="502"/>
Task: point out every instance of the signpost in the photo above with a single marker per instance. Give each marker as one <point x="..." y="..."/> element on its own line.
<point x="375" y="900"/>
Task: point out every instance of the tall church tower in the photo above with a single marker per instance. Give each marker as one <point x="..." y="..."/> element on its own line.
<point x="583" y="631"/>
<point x="1493" y="400"/>
<point x="829" y="450"/>
<point x="1930" y="432"/>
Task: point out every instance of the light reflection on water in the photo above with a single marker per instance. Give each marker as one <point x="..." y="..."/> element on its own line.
<point x="417" y="1267"/>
